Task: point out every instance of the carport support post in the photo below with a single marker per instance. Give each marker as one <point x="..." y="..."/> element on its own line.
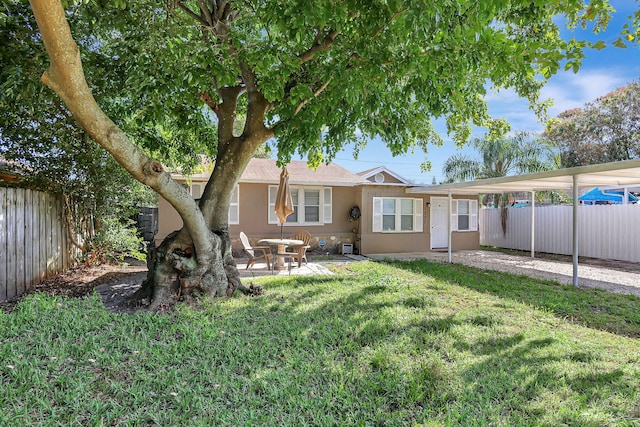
<point x="575" y="230"/>
<point x="533" y="224"/>
<point x="449" y="228"/>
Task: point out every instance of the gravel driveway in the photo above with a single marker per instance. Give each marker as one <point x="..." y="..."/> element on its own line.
<point x="614" y="276"/>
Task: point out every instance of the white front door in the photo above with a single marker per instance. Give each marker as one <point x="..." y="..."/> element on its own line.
<point x="439" y="222"/>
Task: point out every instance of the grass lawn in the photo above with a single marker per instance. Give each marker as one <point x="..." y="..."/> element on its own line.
<point x="402" y="343"/>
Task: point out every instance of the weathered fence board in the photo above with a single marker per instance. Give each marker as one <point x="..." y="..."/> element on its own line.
<point x="33" y="239"/>
<point x="3" y="244"/>
<point x="12" y="256"/>
<point x="28" y="242"/>
<point x="42" y="214"/>
<point x="604" y="231"/>
<point x="19" y="242"/>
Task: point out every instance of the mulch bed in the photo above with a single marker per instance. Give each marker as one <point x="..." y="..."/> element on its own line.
<point x="114" y="282"/>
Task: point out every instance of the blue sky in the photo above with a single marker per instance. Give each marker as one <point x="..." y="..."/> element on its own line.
<point x="602" y="72"/>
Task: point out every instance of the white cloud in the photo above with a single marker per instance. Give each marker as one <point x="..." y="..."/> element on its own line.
<point x="569" y="90"/>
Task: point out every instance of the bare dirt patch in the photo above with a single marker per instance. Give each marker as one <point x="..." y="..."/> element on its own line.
<point x="115" y="283"/>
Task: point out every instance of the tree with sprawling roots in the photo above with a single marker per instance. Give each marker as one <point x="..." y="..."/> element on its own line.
<point x="304" y="77"/>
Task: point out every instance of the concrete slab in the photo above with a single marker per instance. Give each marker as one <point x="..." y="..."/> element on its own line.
<point x="260" y="270"/>
<point x="613" y="276"/>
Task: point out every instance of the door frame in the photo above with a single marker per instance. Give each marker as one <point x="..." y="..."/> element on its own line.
<point x="432" y="201"/>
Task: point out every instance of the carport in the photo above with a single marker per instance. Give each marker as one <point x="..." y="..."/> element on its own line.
<point x="623" y="174"/>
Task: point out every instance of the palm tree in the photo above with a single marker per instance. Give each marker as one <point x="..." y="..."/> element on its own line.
<point x="519" y="154"/>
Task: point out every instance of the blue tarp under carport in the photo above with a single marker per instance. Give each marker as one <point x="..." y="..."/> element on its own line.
<point x="608" y="197"/>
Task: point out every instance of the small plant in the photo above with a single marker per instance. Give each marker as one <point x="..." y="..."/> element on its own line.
<point x="115" y="241"/>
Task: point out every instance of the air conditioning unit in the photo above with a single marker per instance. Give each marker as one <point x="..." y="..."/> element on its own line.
<point x="347" y="248"/>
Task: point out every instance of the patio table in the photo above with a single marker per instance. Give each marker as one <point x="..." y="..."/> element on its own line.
<point x="282" y="245"/>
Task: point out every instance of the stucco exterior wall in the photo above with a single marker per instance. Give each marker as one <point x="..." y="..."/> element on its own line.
<point x="465" y="240"/>
<point x="254" y="219"/>
<point x="254" y="214"/>
<point x="376" y="243"/>
<point x="168" y="220"/>
<point x="460" y="240"/>
<point x="388" y="242"/>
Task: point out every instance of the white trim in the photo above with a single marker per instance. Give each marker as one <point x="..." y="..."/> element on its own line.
<point x="439" y="231"/>
<point x="234" y="206"/>
<point x="383" y="169"/>
<point x="327" y="206"/>
<point x="418" y="216"/>
<point x="601" y="175"/>
<point x="473" y="214"/>
<point x="377" y="225"/>
<point x="325" y="214"/>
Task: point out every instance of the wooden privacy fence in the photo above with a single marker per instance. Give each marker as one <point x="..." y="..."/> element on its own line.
<point x="604" y="231"/>
<point x="34" y="242"/>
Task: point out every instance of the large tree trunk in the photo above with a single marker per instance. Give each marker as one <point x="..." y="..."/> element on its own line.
<point x="196" y="260"/>
<point x="174" y="274"/>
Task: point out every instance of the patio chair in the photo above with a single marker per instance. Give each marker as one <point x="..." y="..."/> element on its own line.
<point x="256" y="253"/>
<point x="299" y="253"/>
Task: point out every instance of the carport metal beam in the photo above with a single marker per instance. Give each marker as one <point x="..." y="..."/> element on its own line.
<point x="619" y="174"/>
<point x="575" y="230"/>
<point x="533" y="224"/>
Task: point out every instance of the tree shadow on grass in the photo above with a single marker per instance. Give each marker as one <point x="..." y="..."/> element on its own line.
<point x="596" y="309"/>
<point x="512" y="379"/>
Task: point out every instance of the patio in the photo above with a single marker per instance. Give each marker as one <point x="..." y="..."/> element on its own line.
<point x="312" y="268"/>
<point x="613" y="276"/>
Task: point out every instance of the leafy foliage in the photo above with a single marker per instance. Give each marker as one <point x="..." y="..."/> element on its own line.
<point x="336" y="73"/>
<point x="521" y="153"/>
<point x="116" y="240"/>
<point x="605" y="130"/>
<point x="38" y="132"/>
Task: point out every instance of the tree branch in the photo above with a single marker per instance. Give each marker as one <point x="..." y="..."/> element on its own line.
<point x="256" y="107"/>
<point x="382" y="27"/>
<point x="65" y="76"/>
<point x="317" y="47"/>
<point x="193" y="15"/>
<point x="315" y="95"/>
<point x="207" y="99"/>
<point x="67" y="217"/>
<point x="205" y="11"/>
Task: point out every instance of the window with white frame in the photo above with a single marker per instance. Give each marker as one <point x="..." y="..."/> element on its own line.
<point x="234" y="206"/>
<point x="197" y="189"/>
<point x="397" y="215"/>
<point x="311" y="205"/>
<point x="464" y="215"/>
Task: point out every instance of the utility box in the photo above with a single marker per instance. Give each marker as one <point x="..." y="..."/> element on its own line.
<point x="347" y="248"/>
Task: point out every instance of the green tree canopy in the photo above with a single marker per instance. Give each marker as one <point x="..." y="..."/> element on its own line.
<point x="519" y="154"/>
<point x="307" y="78"/>
<point x="605" y="130"/>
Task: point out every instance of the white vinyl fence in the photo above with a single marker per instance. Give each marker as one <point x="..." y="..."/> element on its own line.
<point x="604" y="231"/>
<point x="33" y="239"/>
